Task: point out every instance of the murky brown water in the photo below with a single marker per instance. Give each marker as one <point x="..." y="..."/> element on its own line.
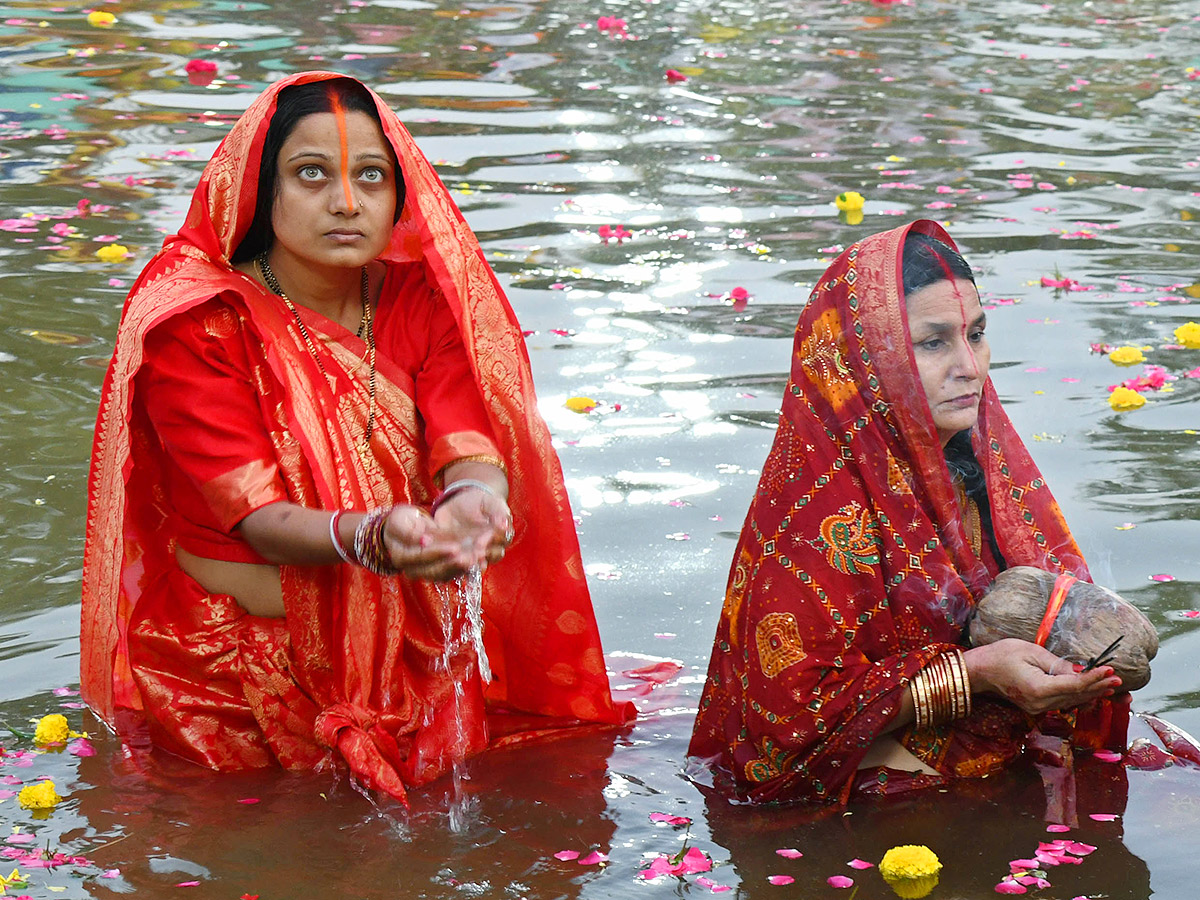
<point x="547" y="130"/>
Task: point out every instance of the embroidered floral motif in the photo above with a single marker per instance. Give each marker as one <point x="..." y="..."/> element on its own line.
<point x="821" y="356"/>
<point x="771" y="763"/>
<point x="850" y="539"/>
<point x="779" y="645"/>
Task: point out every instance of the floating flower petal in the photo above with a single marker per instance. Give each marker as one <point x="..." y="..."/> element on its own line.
<point x="39" y="796"/>
<point x="780" y="879"/>
<point x="839" y="881"/>
<point x="1126" y="356"/>
<point x="584" y="404"/>
<point x="849" y="200"/>
<point x="112" y="253"/>
<point x="52" y="729"/>
<point x="1122" y="399"/>
<point x="1188" y="334"/>
<point x="789" y="853"/>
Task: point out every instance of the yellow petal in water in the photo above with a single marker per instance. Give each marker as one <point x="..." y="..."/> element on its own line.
<point x="112" y="253"/>
<point x="53" y="337"/>
<point x="580" y="404"/>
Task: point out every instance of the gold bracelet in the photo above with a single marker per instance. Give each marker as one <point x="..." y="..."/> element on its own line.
<point x="964" y="681"/>
<point x="920" y="700"/>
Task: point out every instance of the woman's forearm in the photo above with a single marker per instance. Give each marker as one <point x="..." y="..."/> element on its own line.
<point x="287" y="534"/>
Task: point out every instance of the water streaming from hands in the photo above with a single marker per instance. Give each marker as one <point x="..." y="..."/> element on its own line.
<point x="462" y="630"/>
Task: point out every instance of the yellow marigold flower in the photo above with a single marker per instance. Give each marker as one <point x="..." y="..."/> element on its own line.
<point x="911" y="870"/>
<point x="1126" y="356"/>
<point x="99" y="19"/>
<point x="1122" y="399"/>
<point x="52" y="729"/>
<point x="112" y="253"/>
<point x="39" y="796"/>
<point x="580" y="404"/>
<point x="849" y="200"/>
<point x="1188" y="334"/>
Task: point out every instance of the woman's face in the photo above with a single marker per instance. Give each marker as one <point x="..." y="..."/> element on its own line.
<point x="946" y="324"/>
<point x="335" y="196"/>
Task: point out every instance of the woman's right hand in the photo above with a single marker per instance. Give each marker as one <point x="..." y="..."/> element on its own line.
<point x="419" y="549"/>
<point x="1034" y="679"/>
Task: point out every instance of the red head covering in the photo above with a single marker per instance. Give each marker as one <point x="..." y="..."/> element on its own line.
<point x="854" y="568"/>
<point x="541" y="636"/>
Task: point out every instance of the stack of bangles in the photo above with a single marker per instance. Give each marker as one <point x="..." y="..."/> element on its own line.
<point x="369" y="550"/>
<point x="941" y="691"/>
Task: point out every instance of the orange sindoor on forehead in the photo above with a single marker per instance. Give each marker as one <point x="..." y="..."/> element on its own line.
<point x="952" y="279"/>
<point x="339" y="114"/>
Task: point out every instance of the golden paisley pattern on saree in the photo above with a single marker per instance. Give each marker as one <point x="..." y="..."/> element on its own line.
<point x="850" y="539"/>
<point x="777" y="636"/>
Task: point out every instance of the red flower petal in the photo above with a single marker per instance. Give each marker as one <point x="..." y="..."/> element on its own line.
<point x="839" y="881"/>
<point x="780" y="879"/>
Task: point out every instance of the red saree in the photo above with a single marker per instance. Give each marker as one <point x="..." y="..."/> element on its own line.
<point x="854" y="568"/>
<point x="359" y="668"/>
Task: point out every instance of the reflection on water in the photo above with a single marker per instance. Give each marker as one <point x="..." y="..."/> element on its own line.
<point x="1055" y="139"/>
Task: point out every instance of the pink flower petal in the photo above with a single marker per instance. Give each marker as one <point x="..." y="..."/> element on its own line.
<point x="839" y="881"/>
<point x="249" y="801"/>
<point x="187" y="884"/>
<point x="780" y="879"/>
<point x="789" y="853"/>
<point x="1058" y="829"/>
<point x="860" y="864"/>
<point x="1103" y="817"/>
<point x="567" y="855"/>
<point x="1011" y="887"/>
<point x="20" y="838"/>
<point x="1162" y="576"/>
<point x="712" y="885"/>
<point x="695" y="860"/>
<point x="593" y="858"/>
<point x="1108" y="755"/>
<point x="1080" y="849"/>
<point x="658" y="673"/>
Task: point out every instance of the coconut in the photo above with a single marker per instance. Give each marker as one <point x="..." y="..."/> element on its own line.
<point x="1090" y="619"/>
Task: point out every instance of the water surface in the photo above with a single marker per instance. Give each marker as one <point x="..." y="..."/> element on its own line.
<point x="1054" y="139"/>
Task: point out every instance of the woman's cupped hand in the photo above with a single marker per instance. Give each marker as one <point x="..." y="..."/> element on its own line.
<point x="470" y="529"/>
<point x="1034" y="679"/>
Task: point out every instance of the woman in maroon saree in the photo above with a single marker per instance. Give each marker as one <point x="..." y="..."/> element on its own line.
<point x="895" y="491"/>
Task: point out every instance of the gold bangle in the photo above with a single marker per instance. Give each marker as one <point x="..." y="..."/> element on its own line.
<point x="920" y="701"/>
<point x="965" y="679"/>
<point x="936" y="690"/>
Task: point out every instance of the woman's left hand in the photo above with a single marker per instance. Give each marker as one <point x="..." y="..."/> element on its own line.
<point x="481" y="521"/>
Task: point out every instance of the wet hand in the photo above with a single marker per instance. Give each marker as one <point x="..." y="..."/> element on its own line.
<point x="1034" y="679"/>
<point x="481" y="522"/>
<point x="418" y="548"/>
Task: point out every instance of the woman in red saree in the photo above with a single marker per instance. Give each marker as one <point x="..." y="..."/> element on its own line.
<point x="894" y="493"/>
<point x="317" y="401"/>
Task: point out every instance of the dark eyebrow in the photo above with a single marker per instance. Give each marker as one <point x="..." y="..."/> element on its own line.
<point x="314" y="153"/>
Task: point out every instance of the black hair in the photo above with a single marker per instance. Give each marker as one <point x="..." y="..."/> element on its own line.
<point x="292" y="105"/>
<point x="965" y="467"/>
<point x="927" y="261"/>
